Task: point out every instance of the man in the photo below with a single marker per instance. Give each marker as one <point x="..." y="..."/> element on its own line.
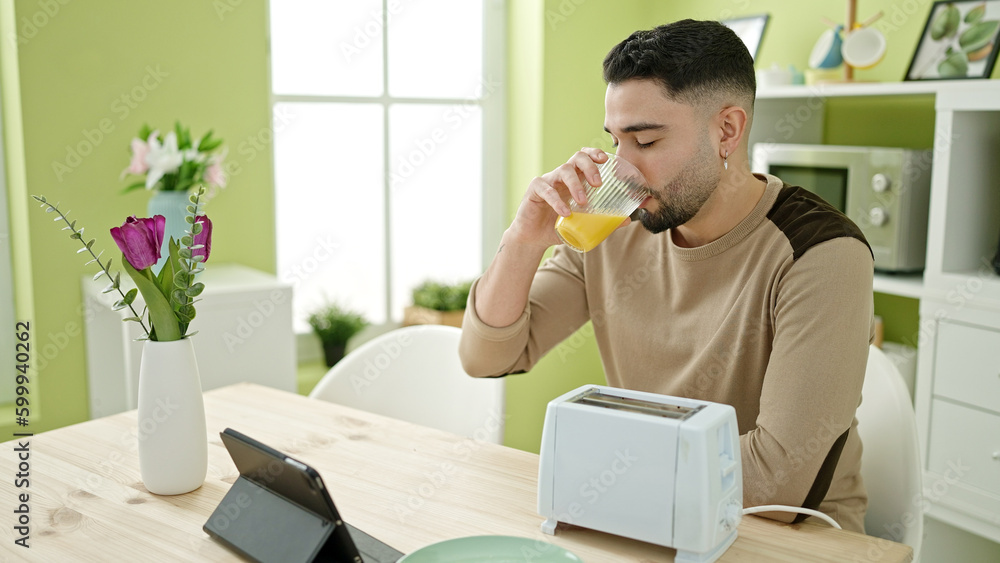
<point x="736" y="288"/>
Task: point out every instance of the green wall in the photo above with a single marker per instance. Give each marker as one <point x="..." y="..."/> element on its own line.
<point x="205" y="63"/>
<point x="557" y="105"/>
<point x="88" y="75"/>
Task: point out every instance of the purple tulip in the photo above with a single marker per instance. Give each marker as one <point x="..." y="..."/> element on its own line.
<point x="140" y="240"/>
<point x="204" y="238"/>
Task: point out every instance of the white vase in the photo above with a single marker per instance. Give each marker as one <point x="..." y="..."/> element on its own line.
<point x="173" y="443"/>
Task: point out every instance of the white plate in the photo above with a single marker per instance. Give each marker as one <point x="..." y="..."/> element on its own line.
<point x="492" y="549"/>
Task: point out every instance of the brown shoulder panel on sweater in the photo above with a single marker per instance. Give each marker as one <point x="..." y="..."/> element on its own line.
<point x="807" y="220"/>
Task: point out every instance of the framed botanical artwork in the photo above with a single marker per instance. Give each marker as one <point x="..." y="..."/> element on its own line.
<point x="750" y="29"/>
<point x="959" y="41"/>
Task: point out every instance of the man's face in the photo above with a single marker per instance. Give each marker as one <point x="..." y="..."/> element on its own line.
<point x="668" y="142"/>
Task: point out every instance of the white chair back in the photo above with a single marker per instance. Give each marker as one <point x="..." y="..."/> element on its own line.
<point x="890" y="464"/>
<point x="414" y="374"/>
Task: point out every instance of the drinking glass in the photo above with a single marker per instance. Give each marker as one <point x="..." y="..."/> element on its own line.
<point x="622" y="190"/>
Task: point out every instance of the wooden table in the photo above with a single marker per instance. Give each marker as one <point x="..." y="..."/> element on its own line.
<point x="405" y="484"/>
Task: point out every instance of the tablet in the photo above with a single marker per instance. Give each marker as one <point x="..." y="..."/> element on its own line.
<point x="280" y="510"/>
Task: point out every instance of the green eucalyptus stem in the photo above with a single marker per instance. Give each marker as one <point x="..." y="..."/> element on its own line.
<point x="182" y="298"/>
<point x="88" y="246"/>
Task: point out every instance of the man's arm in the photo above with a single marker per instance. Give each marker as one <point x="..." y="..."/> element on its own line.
<point x="503" y="288"/>
<point x="496" y="331"/>
<point x="822" y="318"/>
<point x="556" y="306"/>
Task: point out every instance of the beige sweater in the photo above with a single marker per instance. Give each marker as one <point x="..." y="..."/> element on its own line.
<point x="774" y="318"/>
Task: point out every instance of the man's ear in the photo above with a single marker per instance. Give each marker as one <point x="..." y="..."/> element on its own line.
<point x="732" y="122"/>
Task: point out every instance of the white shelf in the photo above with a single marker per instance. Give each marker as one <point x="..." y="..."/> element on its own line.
<point x="905" y="285"/>
<point x="837" y="90"/>
<point x="958" y="285"/>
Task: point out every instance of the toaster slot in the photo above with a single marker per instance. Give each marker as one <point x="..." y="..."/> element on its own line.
<point x="596" y="398"/>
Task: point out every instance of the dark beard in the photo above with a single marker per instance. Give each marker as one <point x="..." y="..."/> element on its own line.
<point x="689" y="191"/>
<point x="667" y="217"/>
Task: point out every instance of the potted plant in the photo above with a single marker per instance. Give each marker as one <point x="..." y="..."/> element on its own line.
<point x="438" y="303"/>
<point x="335" y="325"/>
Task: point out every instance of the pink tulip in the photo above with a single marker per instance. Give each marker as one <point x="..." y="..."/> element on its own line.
<point x="203" y="238"/>
<point x="140" y="240"/>
<point x="139" y="151"/>
<point x="214" y="175"/>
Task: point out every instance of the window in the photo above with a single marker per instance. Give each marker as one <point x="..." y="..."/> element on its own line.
<point x="384" y="112"/>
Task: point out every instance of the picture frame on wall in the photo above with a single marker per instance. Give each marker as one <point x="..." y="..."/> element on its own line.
<point x="959" y="40"/>
<point x="751" y="30"/>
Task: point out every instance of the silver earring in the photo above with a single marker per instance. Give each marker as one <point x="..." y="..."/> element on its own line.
<point x="725" y="161"/>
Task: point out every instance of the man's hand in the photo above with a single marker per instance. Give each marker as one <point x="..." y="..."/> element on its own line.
<point x="502" y="292"/>
<point x="545" y="199"/>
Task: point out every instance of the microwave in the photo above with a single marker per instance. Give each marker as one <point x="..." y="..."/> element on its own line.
<point x="885" y="191"/>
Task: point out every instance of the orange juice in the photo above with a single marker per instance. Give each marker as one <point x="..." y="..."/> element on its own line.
<point x="584" y="231"/>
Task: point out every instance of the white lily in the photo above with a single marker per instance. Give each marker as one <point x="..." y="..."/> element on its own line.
<point x="162" y="159"/>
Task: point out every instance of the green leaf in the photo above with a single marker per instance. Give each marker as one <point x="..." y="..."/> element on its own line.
<point x="165" y="279"/>
<point x="186" y="314"/>
<point x="189" y="219"/>
<point x="976" y="14"/>
<point x="205" y="139"/>
<point x="182" y="279"/>
<point x="209" y="146"/>
<point x="108" y="288"/>
<point x="195" y="290"/>
<point x="119" y="305"/>
<point x="130" y="296"/>
<point x="77" y="236"/>
<point x="978" y="36"/>
<point x="945" y="24"/>
<point x="96" y="258"/>
<point x="191" y="209"/>
<point x="161" y="315"/>
<point x="955" y="66"/>
<point x="145" y="132"/>
<point x="185" y="253"/>
<point x="137" y="320"/>
<point x="196" y="228"/>
<point x="134" y="186"/>
<point x="178" y="297"/>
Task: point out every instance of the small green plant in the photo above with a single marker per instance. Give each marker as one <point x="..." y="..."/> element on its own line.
<point x="442" y="296"/>
<point x="335" y="324"/>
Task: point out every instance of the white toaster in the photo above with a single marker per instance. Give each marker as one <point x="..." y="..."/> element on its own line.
<point x="655" y="468"/>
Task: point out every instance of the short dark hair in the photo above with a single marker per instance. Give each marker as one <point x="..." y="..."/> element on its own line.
<point x="690" y="59"/>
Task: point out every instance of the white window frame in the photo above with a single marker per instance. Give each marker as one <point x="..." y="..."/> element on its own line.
<point x="7" y="315"/>
<point x="493" y="106"/>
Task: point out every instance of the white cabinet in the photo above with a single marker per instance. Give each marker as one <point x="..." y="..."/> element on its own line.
<point x="958" y="362"/>
<point x="244" y="324"/>
<point x="958" y="412"/>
